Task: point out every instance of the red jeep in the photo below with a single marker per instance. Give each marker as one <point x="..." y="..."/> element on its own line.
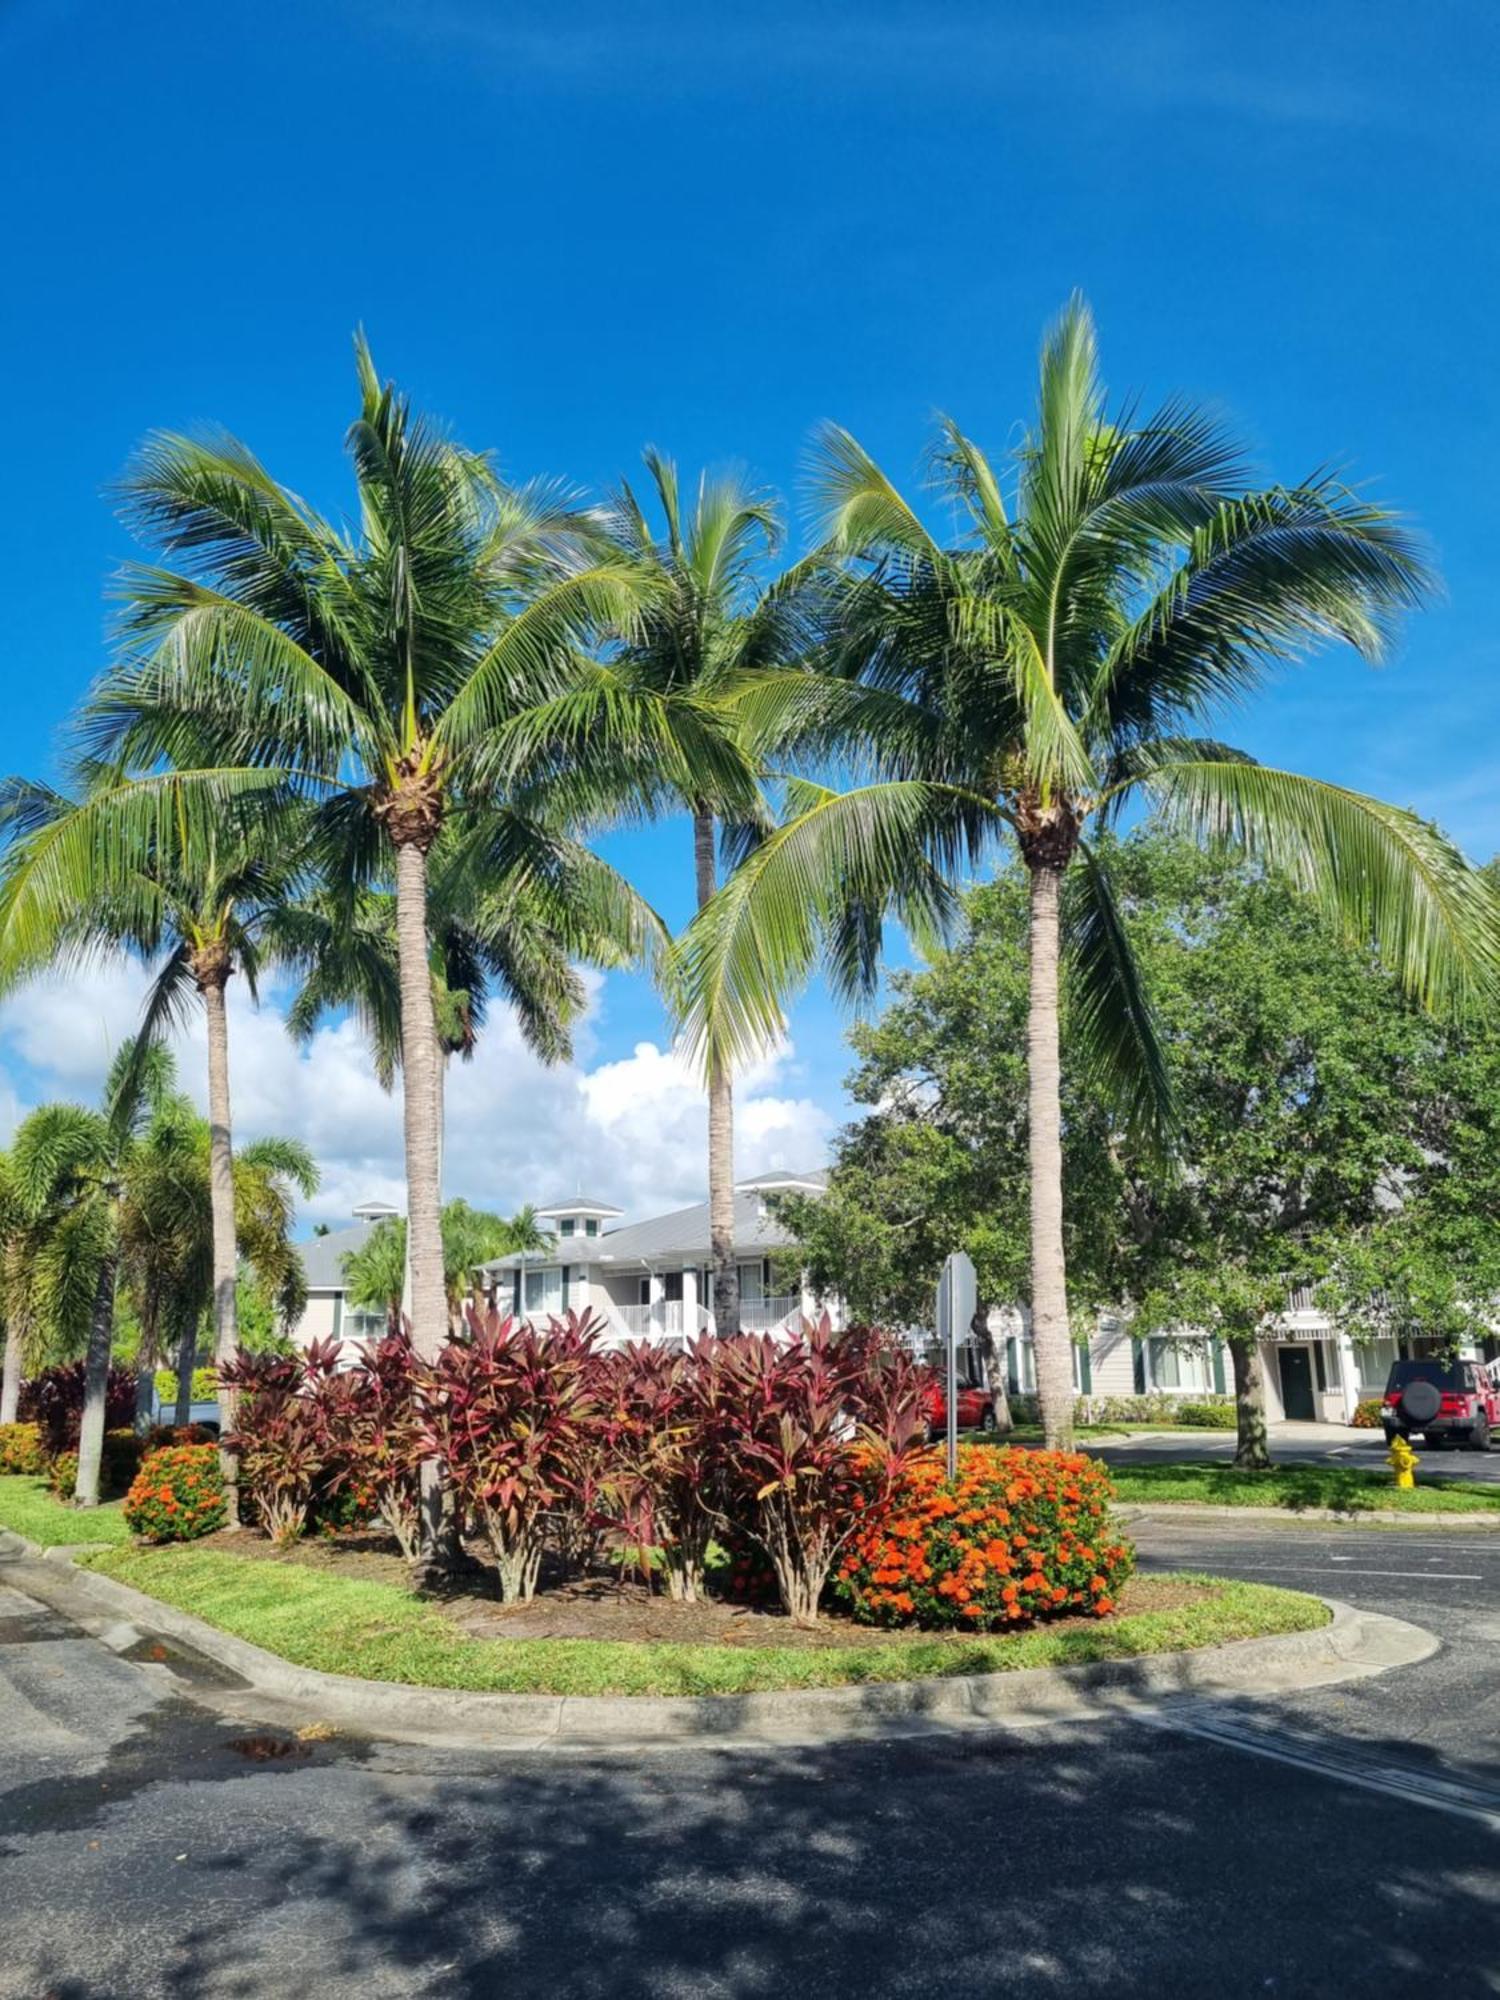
<point x="975" y="1410"/>
<point x="1444" y="1401"/>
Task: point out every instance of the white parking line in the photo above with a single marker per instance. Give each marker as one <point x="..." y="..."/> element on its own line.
<point x="1319" y="1569"/>
<point x="1412" y="1787"/>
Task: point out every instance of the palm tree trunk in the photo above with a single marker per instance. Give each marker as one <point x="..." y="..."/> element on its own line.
<point x="424" y="1229"/>
<point x="1251" y="1450"/>
<point x="1050" y="1333"/>
<point x="145" y="1369"/>
<point x="95" y="1389"/>
<point x="212" y="978"/>
<point x="10" y="1380"/>
<point x="726" y="1276"/>
<point x="187" y="1355"/>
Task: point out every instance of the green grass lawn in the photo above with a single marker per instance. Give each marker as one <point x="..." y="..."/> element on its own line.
<point x="29" y="1509"/>
<point x="1292" y="1486"/>
<point x="380" y="1633"/>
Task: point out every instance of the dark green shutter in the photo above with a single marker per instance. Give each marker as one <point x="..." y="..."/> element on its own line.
<point x="1138" y="1365"/>
<point x="1085" y="1370"/>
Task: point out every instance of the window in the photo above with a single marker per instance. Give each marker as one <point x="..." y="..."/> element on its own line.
<point x="568" y="1224"/>
<point x="1179" y="1364"/>
<point x="544" y="1290"/>
<point x="753" y="1282"/>
<point x="591" y="1226"/>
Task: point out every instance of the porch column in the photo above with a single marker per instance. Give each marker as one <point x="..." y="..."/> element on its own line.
<point x="1348" y="1376"/>
<point x="690" y="1301"/>
<point x="655" y="1305"/>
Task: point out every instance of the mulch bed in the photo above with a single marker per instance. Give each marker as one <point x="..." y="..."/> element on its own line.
<point x="606" y="1606"/>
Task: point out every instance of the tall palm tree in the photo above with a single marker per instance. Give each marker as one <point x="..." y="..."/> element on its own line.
<point x="708" y="621"/>
<point x="85" y="876"/>
<point x="1106" y="596"/>
<point x="70" y="1169"/>
<point x="388" y="672"/>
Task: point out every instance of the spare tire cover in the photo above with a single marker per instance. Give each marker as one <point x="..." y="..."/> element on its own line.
<point x="1420" y="1401"/>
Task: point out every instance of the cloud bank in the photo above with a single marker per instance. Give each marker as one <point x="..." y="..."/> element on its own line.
<point x="632" y="1130"/>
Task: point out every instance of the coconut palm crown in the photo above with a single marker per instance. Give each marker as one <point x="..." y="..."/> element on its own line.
<point x="387" y="671"/>
<point x="1062" y="657"/>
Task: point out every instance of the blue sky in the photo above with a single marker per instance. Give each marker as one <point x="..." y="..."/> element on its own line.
<point x="572" y="229"/>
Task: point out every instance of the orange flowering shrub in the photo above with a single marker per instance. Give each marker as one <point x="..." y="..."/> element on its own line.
<point x="1020" y="1535"/>
<point x="177" y="1495"/>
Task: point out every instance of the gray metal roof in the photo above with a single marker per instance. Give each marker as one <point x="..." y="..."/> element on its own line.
<point x="578" y="1204"/>
<point x="681" y="1235"/>
<point x="323" y="1256"/>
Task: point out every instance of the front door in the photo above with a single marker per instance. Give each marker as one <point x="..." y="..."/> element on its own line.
<point x="1296" y="1383"/>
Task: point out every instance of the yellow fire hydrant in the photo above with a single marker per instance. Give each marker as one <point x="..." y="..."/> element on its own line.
<point x="1403" y="1461"/>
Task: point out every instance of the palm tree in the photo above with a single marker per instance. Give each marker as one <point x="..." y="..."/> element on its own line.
<point x="376" y="1273"/>
<point x="96" y="875"/>
<point x="167" y="1233"/>
<point x="707" y="623"/>
<point x="70" y="1167"/>
<point x="387" y="672"/>
<point x="1039" y="674"/>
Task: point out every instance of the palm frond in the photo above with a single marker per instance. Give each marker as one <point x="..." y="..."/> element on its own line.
<point x="1109" y="1011"/>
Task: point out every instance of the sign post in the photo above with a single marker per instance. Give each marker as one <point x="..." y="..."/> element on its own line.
<point x="957" y="1296"/>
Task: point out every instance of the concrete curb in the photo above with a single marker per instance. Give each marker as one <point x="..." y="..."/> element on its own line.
<point x="1353" y="1646"/>
<point x="1191" y="1510"/>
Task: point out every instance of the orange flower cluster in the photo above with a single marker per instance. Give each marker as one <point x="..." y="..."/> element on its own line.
<point x="1018" y="1536"/>
<point x="177" y="1495"/>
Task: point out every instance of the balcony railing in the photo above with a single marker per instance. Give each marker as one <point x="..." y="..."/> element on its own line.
<point x="673" y="1319"/>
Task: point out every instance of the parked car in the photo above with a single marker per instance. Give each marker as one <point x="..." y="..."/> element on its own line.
<point x="1441" y="1401"/>
<point x="975" y="1410"/>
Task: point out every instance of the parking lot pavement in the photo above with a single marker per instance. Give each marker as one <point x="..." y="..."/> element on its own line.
<point x="1441" y="1715"/>
<point x="1292" y="1444"/>
<point x="142" y="1854"/>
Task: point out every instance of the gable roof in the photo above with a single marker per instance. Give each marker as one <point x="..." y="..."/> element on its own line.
<point x="323" y="1256"/>
<point x="682" y="1235"/>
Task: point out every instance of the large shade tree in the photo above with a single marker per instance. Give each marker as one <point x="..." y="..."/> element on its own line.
<point x="387" y="672"/>
<point x="1054" y="664"/>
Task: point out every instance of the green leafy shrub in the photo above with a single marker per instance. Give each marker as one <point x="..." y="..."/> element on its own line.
<point x="1217" y="1415"/>
<point x="205" y="1386"/>
<point x="62" y="1473"/>
<point x="177" y="1495"/>
<point x="1367" y="1414"/>
<point x="21" y="1448"/>
<point x="1018" y="1536"/>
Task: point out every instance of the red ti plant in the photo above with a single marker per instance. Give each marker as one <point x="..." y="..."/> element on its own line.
<point x="661" y="1453"/>
<point x="509" y="1411"/>
<point x="280" y="1430"/>
<point x="810" y="1435"/>
<point x="373" y="1433"/>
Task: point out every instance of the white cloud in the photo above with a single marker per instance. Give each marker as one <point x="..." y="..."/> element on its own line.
<point x="630" y="1130"/>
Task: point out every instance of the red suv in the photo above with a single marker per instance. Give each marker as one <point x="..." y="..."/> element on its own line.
<point x="1443" y="1400"/>
<point x="975" y="1410"/>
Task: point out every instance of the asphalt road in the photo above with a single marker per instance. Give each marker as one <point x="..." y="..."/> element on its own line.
<point x="1294" y="1444"/>
<point x="141" y="1854"/>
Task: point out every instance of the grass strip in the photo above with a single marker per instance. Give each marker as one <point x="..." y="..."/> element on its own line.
<point x="28" y="1507"/>
<point x="380" y="1633"/>
<point x="1349" y="1489"/>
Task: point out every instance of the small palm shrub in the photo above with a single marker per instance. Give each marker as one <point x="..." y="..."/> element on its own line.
<point x="177" y="1495"/>
<point x="509" y="1412"/>
<point x="21" y="1448"/>
<point x="53" y="1401"/>
<point x="371" y="1438"/>
<point x="1018" y="1536"/>
<point x="807" y="1433"/>
<point x="280" y="1431"/>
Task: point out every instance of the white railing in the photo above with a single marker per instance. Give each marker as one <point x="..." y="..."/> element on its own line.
<point x="673" y="1319"/>
<point x="668" y="1319"/>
